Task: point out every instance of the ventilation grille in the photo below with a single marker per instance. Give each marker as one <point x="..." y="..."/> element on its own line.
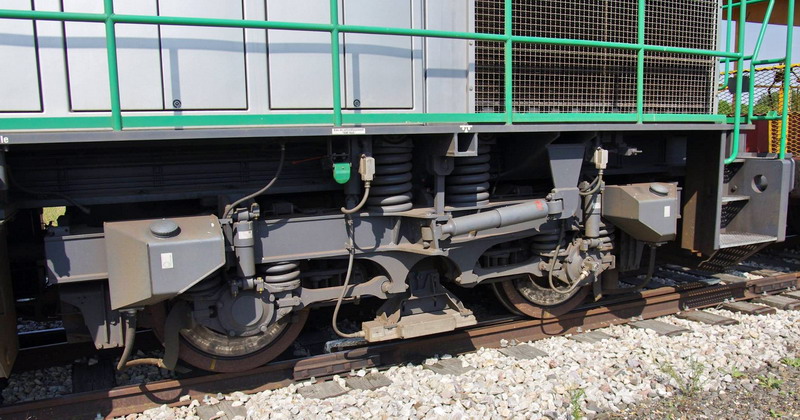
<point x="557" y="78"/>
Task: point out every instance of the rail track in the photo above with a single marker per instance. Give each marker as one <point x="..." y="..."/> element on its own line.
<point x="688" y="294"/>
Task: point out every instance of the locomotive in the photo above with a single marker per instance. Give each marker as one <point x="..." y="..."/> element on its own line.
<point x="226" y="167"/>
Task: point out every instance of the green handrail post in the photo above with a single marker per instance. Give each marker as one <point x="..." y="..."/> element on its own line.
<point x="728" y="41"/>
<point x="787" y="71"/>
<point x="752" y="84"/>
<point x="113" y="70"/>
<point x="335" y="28"/>
<point x="737" y="110"/>
<point x="640" y="62"/>
<point x="336" y="82"/>
<point x="508" y="62"/>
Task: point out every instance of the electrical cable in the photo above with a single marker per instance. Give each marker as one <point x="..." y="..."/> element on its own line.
<point x="352" y="251"/>
<point x="553" y="265"/>
<point x="651" y="268"/>
<point x="595" y="186"/>
<point x="232" y="206"/>
<point x="65" y="197"/>
<point x="361" y="203"/>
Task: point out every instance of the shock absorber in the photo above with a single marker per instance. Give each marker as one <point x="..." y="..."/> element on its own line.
<point x="468" y="184"/>
<point x="391" y="188"/>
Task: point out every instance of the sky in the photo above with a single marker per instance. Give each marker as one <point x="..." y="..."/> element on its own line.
<point x="774" y="44"/>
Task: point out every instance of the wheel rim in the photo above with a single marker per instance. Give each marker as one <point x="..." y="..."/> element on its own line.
<point x="212" y="351"/>
<point x="531" y="299"/>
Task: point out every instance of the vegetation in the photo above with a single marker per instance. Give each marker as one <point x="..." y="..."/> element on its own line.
<point x="770" y="382"/>
<point x="575" y="402"/>
<point x="791" y="361"/>
<point x="690" y="384"/>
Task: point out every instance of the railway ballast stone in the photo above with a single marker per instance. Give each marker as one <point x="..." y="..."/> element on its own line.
<point x="602" y="379"/>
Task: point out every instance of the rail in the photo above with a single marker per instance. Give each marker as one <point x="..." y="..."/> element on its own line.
<point x="117" y="121"/>
<point x="648" y="304"/>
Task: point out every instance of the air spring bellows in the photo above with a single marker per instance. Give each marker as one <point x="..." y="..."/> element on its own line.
<point x="391" y="188"/>
<point x="468" y="184"/>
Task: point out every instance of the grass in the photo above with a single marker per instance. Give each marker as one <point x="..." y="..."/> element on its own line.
<point x="736" y="373"/>
<point x="575" y="402"/>
<point x="690" y="384"/>
<point x="791" y="361"/>
<point x="770" y="382"/>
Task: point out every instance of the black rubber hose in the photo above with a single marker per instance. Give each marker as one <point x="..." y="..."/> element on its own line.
<point x="651" y="268"/>
<point x="130" y="337"/>
<point x="232" y="207"/>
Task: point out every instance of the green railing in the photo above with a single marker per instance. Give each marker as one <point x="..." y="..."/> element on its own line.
<point x="754" y="61"/>
<point x="118" y="121"/>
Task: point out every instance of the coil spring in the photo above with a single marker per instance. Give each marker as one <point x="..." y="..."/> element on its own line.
<point x="546" y="243"/>
<point x="391" y="188"/>
<point x="468" y="184"/>
<point x="282" y="272"/>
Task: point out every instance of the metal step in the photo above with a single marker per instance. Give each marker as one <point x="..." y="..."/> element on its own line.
<point x="733" y="239"/>
<point x="733" y="198"/>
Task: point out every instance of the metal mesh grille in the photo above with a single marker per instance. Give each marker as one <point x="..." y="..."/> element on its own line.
<point x="489" y="70"/>
<point x="768" y="98"/>
<point x="555" y="78"/>
<point x="680" y="83"/>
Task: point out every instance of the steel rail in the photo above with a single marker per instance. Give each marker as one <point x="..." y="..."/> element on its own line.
<point x="645" y="305"/>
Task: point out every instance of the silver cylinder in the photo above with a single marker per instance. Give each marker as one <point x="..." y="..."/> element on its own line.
<point x="243" y="244"/>
<point x="500" y="217"/>
<point x="591" y="217"/>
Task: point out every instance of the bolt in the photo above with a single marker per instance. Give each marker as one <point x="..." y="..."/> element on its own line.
<point x="231" y="333"/>
<point x="263" y="328"/>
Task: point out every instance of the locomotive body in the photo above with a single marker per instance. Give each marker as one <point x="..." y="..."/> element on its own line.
<point x="228" y="166"/>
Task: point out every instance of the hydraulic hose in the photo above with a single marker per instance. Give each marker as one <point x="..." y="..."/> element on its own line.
<point x="233" y="205"/>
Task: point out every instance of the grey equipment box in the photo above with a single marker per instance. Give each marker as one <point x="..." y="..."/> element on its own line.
<point x="153" y="260"/>
<point x="648" y="212"/>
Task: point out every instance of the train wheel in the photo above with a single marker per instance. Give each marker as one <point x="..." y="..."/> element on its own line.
<point x="210" y="350"/>
<point x="525" y="295"/>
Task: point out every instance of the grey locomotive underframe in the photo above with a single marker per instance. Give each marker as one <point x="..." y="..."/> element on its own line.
<point x="148" y="222"/>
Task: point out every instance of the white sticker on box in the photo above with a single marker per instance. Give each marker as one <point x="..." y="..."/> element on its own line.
<point x="245" y="234"/>
<point x="166" y="261"/>
<point x="666" y="211"/>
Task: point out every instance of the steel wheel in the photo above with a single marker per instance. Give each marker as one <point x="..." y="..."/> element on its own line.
<point x="213" y="351"/>
<point x="529" y="297"/>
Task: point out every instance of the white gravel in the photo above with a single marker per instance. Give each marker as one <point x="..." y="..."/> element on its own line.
<point x="599" y="377"/>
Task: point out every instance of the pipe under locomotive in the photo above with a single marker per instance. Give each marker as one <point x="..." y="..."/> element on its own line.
<point x="222" y="240"/>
